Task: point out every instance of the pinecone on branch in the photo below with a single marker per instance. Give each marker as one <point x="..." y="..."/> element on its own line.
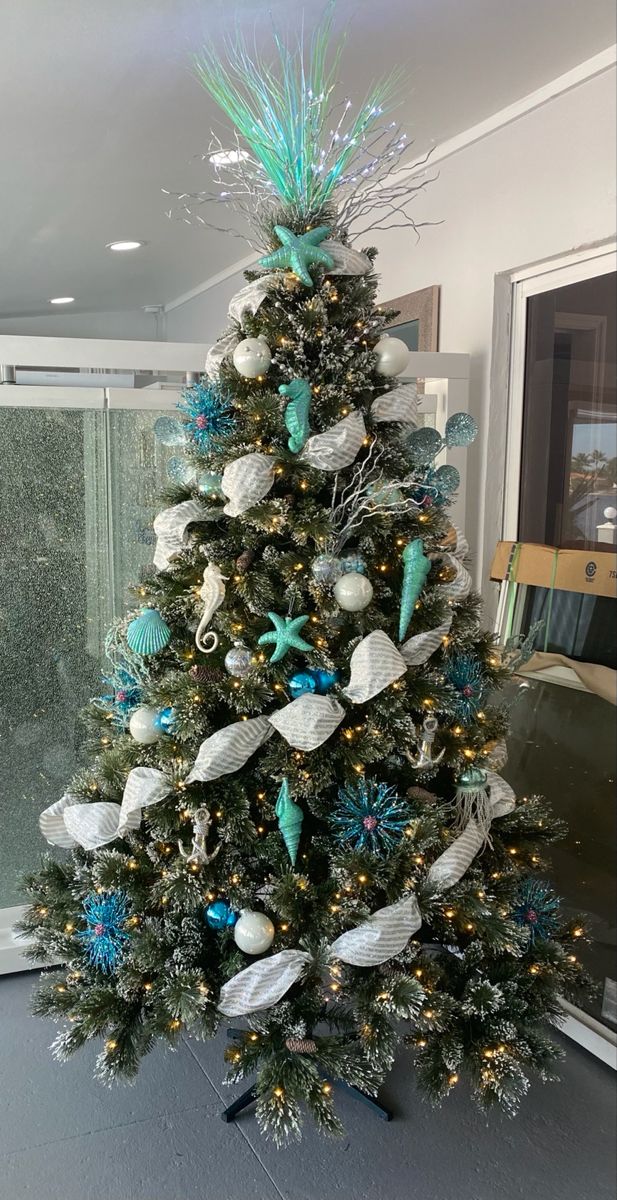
<point x="301" y="1045"/>
<point x="204" y="674"/>
<point x="244" y="561"/>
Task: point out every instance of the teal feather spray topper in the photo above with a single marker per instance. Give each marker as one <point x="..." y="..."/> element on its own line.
<point x="290" y="818"/>
<point x="417" y="567"/>
<point x="297" y="412"/>
<point x="284" y="114"/>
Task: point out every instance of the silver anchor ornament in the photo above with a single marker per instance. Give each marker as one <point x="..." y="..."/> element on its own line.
<point x="424" y="759"/>
<point x="201" y="828"/>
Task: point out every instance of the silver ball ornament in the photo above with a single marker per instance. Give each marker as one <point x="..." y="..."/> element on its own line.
<point x="326" y="569"/>
<point x="253" y="932"/>
<point x="252" y="357"/>
<point x="143" y="725"/>
<point x="238" y="660"/>
<point x="353" y="592"/>
<point x="392" y="356"/>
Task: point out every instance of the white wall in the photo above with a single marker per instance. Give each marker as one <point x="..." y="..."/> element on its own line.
<point x="537" y="187"/>
<point x="134" y="324"/>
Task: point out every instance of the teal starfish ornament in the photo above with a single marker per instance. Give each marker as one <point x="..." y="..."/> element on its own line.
<point x="298" y="252"/>
<point x="285" y="635"/>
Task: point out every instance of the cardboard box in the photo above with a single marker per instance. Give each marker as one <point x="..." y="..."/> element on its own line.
<point x="585" y="571"/>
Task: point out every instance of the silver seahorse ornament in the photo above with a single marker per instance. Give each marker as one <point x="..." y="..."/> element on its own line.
<point x="212" y="592"/>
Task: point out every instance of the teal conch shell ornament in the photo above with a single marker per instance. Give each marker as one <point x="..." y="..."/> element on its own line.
<point x="148" y="633"/>
<point x="297" y="412"/>
<point x="290" y="818"/>
<point x="417" y="567"/>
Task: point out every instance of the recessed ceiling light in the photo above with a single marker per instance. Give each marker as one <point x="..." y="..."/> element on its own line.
<point x="63" y="300"/>
<point x="124" y="245"/>
<point x="224" y="158"/>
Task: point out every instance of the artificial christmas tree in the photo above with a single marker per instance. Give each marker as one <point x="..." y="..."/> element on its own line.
<point x="294" y="812"/>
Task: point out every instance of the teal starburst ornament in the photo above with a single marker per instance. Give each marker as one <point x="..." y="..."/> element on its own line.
<point x="298" y="252"/>
<point x="285" y="636"/>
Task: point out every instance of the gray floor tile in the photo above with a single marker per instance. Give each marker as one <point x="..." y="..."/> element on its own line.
<point x="182" y="1156"/>
<point x="41" y="1099"/>
<point x="560" y="1147"/>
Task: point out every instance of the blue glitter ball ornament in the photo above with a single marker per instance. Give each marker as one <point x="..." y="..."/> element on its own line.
<point x="423" y="445"/>
<point x="209" y="484"/>
<point x="169" y="432"/>
<point x="301" y="684"/>
<point x="370" y="816"/>
<point x="207" y="414"/>
<point x="165" y="720"/>
<point x="536" y="909"/>
<point x="353" y="561"/>
<point x="104" y="938"/>
<point x="180" y="471"/>
<point x="461" y="429"/>
<point x="447" y="480"/>
<point x="326" y="569"/>
<point x="466" y="678"/>
<point x="220" y="915"/>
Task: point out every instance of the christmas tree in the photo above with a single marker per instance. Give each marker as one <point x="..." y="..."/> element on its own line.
<point x="293" y="813"/>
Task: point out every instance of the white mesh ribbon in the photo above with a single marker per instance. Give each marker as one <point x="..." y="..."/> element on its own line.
<point x="144" y="786"/>
<point x="229" y="748"/>
<point x="497" y="757"/>
<point x="308" y="721"/>
<point x="385" y="934"/>
<point x="337" y="447"/>
<point x="51" y="822"/>
<point x="263" y="983"/>
<point x="460" y="585"/>
<point x="461" y="549"/>
<point x="218" y="352"/>
<point x="170" y="527"/>
<point x="245" y="481"/>
<point x="374" y="664"/>
<point x="401" y="404"/>
<point x="249" y="298"/>
<point x="452" y="864"/>
<point x="94" y="825"/>
<point x="418" y="649"/>
<point x="346" y="260"/>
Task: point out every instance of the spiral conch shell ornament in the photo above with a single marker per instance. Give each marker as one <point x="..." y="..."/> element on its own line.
<point x="212" y="593"/>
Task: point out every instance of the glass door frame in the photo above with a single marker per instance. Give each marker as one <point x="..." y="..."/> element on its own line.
<point x="531" y="281"/>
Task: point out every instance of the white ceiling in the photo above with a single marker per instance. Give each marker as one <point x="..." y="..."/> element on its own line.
<point x="99" y="111"/>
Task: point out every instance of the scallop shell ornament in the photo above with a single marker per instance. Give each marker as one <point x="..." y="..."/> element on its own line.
<point x="148" y="633"/>
<point x="246" y="481"/>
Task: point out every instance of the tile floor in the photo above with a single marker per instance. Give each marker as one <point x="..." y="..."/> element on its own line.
<point x="65" y="1137"/>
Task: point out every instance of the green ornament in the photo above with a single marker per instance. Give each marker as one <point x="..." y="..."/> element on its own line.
<point x="298" y="252"/>
<point x="290" y="818"/>
<point x="417" y="567"/>
<point x="297" y="412"/>
<point x="285" y="635"/>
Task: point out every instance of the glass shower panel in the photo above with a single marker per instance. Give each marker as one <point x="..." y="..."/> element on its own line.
<point x="51" y="550"/>
<point x="78" y="493"/>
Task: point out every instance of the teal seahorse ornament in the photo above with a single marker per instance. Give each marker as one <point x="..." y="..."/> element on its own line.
<point x="417" y="567"/>
<point x="290" y="818"/>
<point x="297" y="412"/>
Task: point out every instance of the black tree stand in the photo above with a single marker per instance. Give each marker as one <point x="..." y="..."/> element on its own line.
<point x="250" y="1095"/>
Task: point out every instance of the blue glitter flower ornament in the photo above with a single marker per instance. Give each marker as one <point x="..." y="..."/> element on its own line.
<point x="371" y="816"/>
<point x="105" y="937"/>
<point x="124" y="695"/>
<point x="466" y="678"/>
<point x="536" y="909"/>
<point x="207" y="414"/>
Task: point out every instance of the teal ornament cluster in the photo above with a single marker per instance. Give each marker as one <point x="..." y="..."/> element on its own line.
<point x="423" y="445"/>
<point x="298" y="252"/>
<point x="285" y="636"/>
<point x="314" y="681"/>
<point x="416" y="569"/>
<point x="297" y="412"/>
<point x="148" y="633"/>
<point x="290" y="818"/>
<point x="220" y="915"/>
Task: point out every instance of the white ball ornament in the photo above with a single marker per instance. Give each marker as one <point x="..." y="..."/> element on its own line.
<point x="353" y="592"/>
<point x="143" y="727"/>
<point x="252" y="357"/>
<point x="253" y="932"/>
<point x="392" y="355"/>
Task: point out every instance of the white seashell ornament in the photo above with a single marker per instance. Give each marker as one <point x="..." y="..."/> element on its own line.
<point x="212" y="593"/>
<point x="246" y="481"/>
